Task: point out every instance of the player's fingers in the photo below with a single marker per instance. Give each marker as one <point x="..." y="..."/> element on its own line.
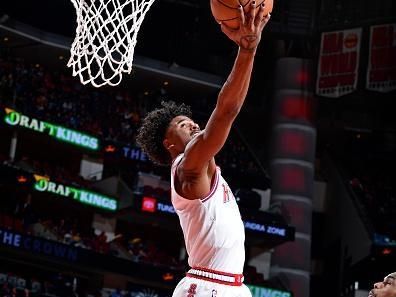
<point x="265" y="21"/>
<point x="242" y="15"/>
<point x="252" y="14"/>
<point x="260" y="15"/>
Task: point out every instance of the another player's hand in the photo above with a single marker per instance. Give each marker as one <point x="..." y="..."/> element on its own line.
<point x="252" y="23"/>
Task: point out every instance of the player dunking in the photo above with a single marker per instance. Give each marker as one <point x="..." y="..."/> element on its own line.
<point x="209" y="216"/>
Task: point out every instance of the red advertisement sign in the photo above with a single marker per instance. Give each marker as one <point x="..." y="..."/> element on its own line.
<point x="338" y="63"/>
<point x="149" y="204"/>
<point x="381" y="73"/>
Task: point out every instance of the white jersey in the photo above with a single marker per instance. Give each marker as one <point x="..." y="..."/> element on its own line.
<point x="212" y="226"/>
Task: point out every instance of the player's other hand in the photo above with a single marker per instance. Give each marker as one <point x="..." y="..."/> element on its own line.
<point x="252" y="23"/>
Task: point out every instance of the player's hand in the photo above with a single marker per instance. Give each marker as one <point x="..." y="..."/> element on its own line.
<point x="252" y="23"/>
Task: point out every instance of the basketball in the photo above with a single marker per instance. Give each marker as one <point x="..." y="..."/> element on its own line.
<point x="226" y="11"/>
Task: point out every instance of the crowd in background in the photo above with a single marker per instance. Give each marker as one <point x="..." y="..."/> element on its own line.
<point x="45" y="285"/>
<point x="77" y="231"/>
<point x="52" y="284"/>
<point x="128" y="241"/>
<point x="56" y="172"/>
<point x="366" y="162"/>
<point x="56" y="97"/>
<point x="377" y="193"/>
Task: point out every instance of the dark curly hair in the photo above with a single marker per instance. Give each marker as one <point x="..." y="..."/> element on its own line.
<point x="152" y="132"/>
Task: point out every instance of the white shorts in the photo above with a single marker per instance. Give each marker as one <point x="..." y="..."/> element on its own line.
<point x="193" y="287"/>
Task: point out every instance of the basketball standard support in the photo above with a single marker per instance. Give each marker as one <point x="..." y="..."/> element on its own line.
<point x="292" y="170"/>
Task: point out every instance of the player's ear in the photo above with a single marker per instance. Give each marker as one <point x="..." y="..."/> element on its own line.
<point x="167" y="144"/>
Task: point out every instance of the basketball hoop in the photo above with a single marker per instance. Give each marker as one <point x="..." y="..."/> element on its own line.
<point x="106" y="37"/>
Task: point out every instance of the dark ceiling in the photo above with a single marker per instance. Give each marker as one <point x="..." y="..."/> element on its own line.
<point x="182" y="32"/>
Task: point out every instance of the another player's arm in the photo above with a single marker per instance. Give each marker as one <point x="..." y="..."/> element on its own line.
<point x="232" y="95"/>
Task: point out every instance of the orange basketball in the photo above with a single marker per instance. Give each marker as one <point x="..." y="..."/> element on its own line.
<point x="226" y="11"/>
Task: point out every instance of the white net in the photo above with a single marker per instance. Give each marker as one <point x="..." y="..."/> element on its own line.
<point x="105" y="39"/>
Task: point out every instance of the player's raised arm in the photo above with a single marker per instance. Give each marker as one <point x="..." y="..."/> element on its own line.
<point x="233" y="93"/>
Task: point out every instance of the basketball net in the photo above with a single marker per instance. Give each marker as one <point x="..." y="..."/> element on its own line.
<point x="105" y="40"/>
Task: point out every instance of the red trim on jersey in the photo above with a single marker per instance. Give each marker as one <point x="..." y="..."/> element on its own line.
<point x="235" y="284"/>
<point x="214" y="188"/>
<point x="237" y="277"/>
<point x="217" y="272"/>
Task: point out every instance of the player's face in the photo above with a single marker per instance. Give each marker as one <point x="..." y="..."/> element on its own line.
<point x="180" y="132"/>
<point x="384" y="289"/>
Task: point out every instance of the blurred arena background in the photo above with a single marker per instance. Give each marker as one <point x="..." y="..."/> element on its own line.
<point x="311" y="158"/>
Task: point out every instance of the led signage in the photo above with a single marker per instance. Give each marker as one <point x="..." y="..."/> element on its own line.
<point x="267" y="292"/>
<point x="265" y="228"/>
<point x="134" y="153"/>
<point x="14" y="118"/>
<point x="43" y="184"/>
<point x="150" y="204"/>
<point x="37" y="245"/>
<point x="162" y="207"/>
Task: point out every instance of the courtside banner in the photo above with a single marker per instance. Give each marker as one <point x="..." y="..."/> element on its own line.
<point x="381" y="72"/>
<point x="338" y="63"/>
